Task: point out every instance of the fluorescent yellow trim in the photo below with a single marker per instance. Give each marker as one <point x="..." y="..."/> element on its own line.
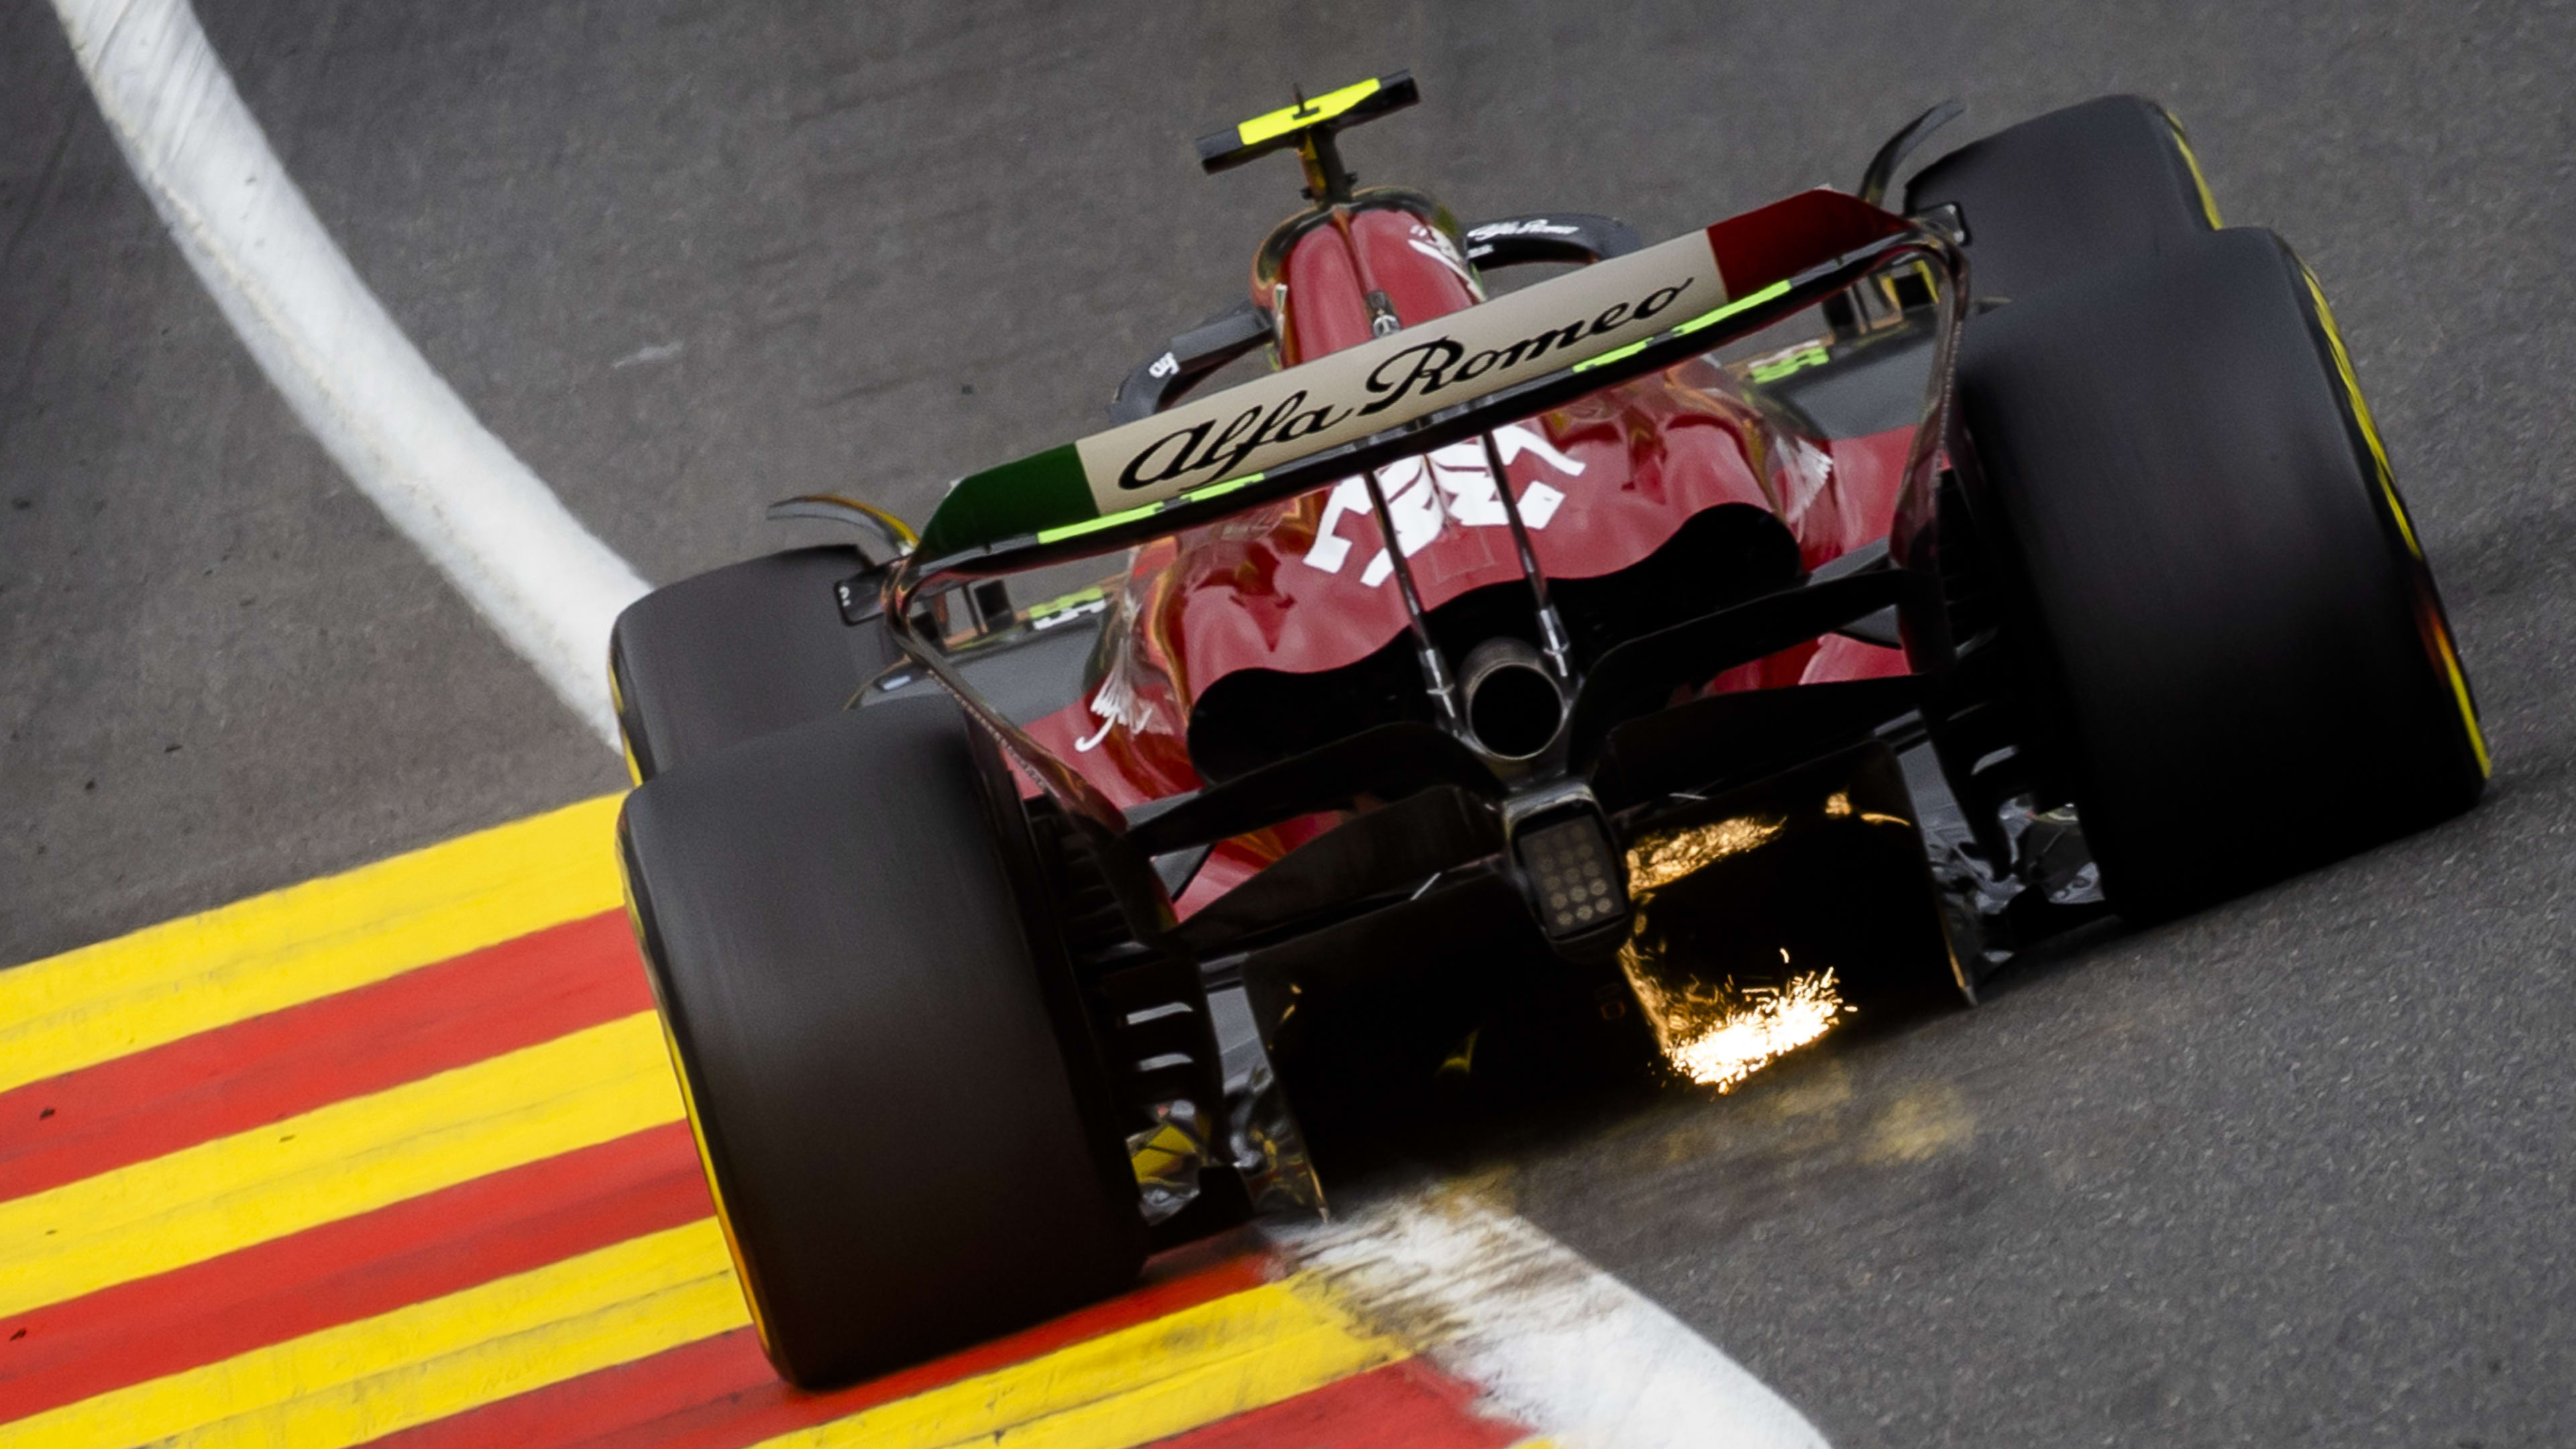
<point x="1132" y="1387"/>
<point x="1615" y="354"/>
<point x="1062" y="602"/>
<point x="1783" y="364"/>
<point x="1716" y="315"/>
<point x="1095" y="525"/>
<point x="1289" y="118"/>
<point x="335" y="1162"/>
<point x="307" y="941"/>
<point x="1219" y="490"/>
<point x="358" y="1381"/>
<point x="1709" y="318"/>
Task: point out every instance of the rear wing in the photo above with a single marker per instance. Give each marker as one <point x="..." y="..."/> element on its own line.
<point x="1417" y="389"/>
<point x="1393" y="397"/>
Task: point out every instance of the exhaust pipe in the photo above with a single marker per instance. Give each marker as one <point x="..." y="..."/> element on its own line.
<point x="1514" y="705"/>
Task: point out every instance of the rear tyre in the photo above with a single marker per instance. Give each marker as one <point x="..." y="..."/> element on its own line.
<point x="737" y="653"/>
<point x="2241" y="663"/>
<point x="903" y="1123"/>
<point x="2094" y="185"/>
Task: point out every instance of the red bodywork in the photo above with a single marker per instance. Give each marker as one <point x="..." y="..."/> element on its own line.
<point x="1305" y="586"/>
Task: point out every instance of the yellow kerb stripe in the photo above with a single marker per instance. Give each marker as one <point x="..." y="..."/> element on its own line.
<point x="307" y="941"/>
<point x="334" y="1162"/>
<point x="1132" y="1387"/>
<point x="355" y="1382"/>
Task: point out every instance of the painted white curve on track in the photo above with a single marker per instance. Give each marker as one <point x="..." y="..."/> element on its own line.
<point x="391" y="422"/>
<point x="1551" y="1340"/>
<point x="1554" y="1342"/>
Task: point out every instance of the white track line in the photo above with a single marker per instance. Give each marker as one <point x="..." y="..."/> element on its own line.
<point x="1555" y="1343"/>
<point x="390" y="421"/>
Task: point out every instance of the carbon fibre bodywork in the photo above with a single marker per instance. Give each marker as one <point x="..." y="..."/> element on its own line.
<point x="1734" y="590"/>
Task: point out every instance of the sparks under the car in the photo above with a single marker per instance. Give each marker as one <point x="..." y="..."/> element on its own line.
<point x="1720" y="1035"/>
<point x="1660" y="859"/>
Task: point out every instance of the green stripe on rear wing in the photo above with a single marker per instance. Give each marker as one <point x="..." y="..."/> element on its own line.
<point x="1418" y="389"/>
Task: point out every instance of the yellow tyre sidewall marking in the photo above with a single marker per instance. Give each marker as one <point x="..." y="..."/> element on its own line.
<point x="2191" y="162"/>
<point x="2441" y="629"/>
<point x="707" y="1169"/>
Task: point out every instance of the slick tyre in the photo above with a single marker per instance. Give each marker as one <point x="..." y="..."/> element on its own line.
<point x="903" y="1122"/>
<point x="737" y="653"/>
<point x="2240" y="665"/>
<point x="2094" y="185"/>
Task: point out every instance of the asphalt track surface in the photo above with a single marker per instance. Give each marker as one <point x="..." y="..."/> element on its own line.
<point x="2297" y="1170"/>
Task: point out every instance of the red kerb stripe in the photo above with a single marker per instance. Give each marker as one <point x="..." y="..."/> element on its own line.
<point x="517" y="994"/>
<point x="423" y="1248"/>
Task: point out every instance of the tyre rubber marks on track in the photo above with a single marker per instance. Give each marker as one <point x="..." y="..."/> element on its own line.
<point x="1553" y="1340"/>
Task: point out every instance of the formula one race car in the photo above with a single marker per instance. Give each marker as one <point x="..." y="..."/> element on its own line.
<point x="1656" y="663"/>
